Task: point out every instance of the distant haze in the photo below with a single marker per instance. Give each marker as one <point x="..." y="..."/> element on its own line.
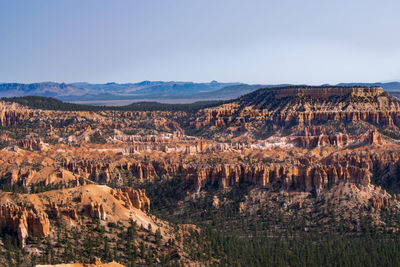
<point x="254" y="42"/>
<point x="166" y="92"/>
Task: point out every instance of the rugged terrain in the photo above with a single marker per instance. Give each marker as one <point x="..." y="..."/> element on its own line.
<point x="291" y="161"/>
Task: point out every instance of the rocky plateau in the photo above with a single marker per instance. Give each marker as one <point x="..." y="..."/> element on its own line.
<point x="298" y="146"/>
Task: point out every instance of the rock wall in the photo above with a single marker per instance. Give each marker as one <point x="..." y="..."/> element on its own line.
<point x="12" y="114"/>
<point x="22" y="220"/>
<point x="371" y="137"/>
<point x="305" y="174"/>
<point x="303" y="106"/>
<point x="132" y="198"/>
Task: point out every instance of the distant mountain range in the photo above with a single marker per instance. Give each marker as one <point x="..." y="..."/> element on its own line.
<point x="109" y="91"/>
<point x="387" y="86"/>
<point x="146" y="90"/>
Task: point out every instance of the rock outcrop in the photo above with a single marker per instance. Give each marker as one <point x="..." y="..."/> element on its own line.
<point x="32" y="144"/>
<point x="299" y="175"/>
<point x="26" y="214"/>
<point x="13" y="114"/>
<point x="378" y="202"/>
<point x="132" y="198"/>
<point x="97" y="211"/>
<point x="23" y="220"/>
<point x="371" y="137"/>
<point x="302" y="106"/>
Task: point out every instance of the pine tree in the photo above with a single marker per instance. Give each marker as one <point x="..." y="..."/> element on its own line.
<point x="106" y="251"/>
<point x="158" y="237"/>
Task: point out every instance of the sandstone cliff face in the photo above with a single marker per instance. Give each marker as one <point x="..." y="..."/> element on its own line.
<point x="13" y="114"/>
<point x="99" y="208"/>
<point x="57" y="210"/>
<point x="97" y="211"/>
<point x="371" y="137"/>
<point x="26" y="214"/>
<point x="300" y="177"/>
<point x="32" y="144"/>
<point x="167" y="152"/>
<point x="132" y="198"/>
<point x="378" y="202"/>
<point x="22" y="221"/>
<point x="302" y="106"/>
<point x="327" y="92"/>
<point x="304" y="175"/>
<point x="297" y="148"/>
<point x="311" y="141"/>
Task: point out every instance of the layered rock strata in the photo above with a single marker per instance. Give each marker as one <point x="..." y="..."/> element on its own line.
<point x="22" y="221"/>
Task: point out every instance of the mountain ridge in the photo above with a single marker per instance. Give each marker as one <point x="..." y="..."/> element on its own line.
<point x="87" y="91"/>
<point x="156" y="90"/>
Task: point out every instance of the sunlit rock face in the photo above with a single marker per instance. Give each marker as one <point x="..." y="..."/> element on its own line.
<point x="307" y="141"/>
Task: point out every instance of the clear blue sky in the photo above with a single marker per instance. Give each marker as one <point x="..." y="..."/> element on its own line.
<point x="269" y="42"/>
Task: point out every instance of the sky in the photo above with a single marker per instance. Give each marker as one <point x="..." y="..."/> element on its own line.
<point x="257" y="42"/>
